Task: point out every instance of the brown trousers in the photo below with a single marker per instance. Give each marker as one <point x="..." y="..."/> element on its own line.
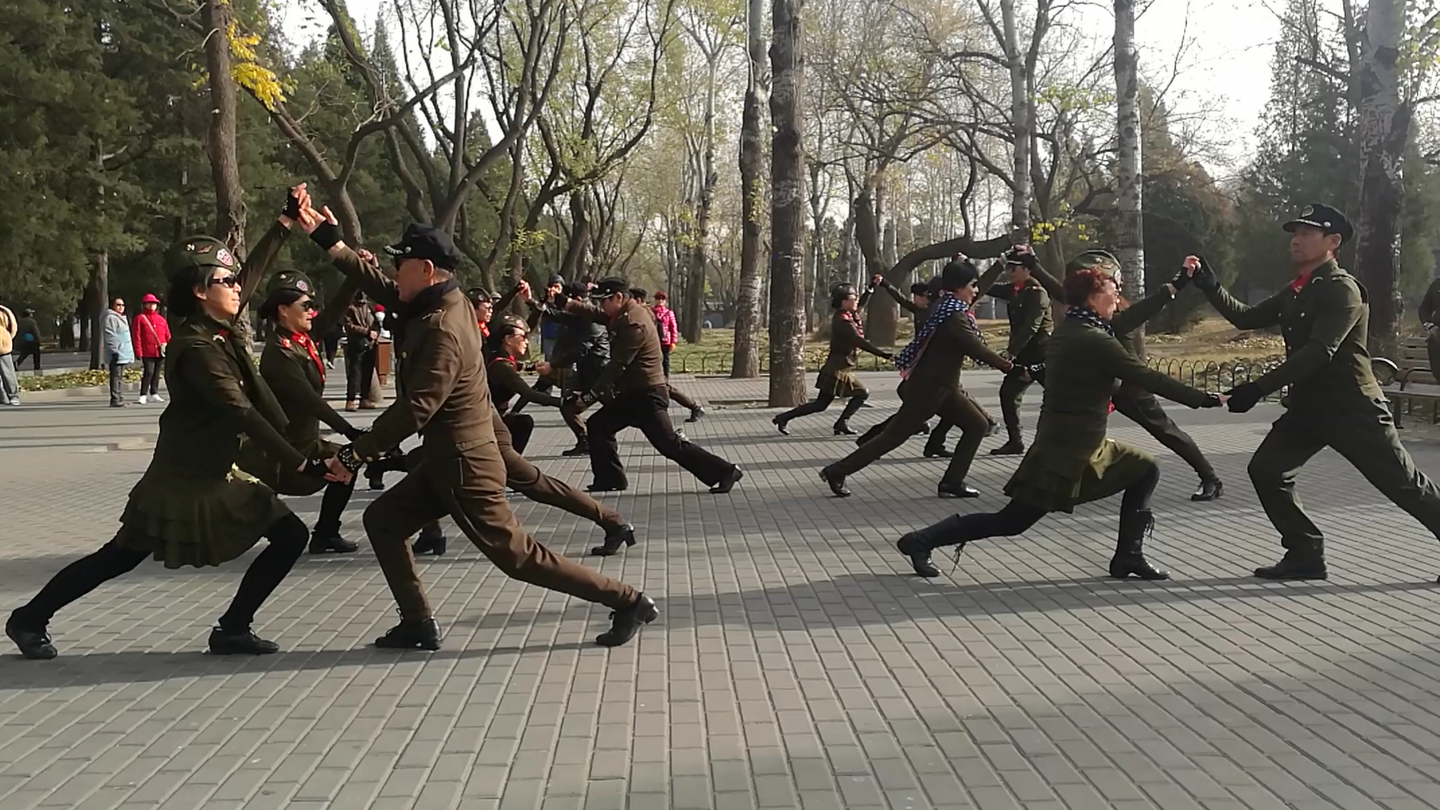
<point x="951" y="404"/>
<point x="470" y="488"/>
<point x="541" y="488"/>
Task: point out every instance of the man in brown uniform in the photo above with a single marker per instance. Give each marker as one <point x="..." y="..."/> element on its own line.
<point x="636" y="394"/>
<point x="442" y="393"/>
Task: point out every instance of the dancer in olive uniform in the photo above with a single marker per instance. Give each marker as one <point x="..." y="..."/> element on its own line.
<point x="1136" y="404"/>
<point x="931" y="364"/>
<point x="1429" y="319"/>
<point x="1073" y="461"/>
<point x="191" y="507"/>
<point x="1334" y="400"/>
<point x="837" y="377"/>
<point x="443" y="394"/>
<point x="1028" y="311"/>
<point x="509" y="340"/>
<point x="636" y="395"/>
<point x="292" y="366"/>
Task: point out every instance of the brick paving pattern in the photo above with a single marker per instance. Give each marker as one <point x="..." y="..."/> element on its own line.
<point x="795" y="664"/>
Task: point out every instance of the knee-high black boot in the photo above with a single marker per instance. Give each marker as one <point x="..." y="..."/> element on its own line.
<point x="842" y="425"/>
<point x="1129" y="557"/>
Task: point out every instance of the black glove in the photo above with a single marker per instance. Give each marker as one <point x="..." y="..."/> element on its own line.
<point x="349" y="459"/>
<point x="326" y="236"/>
<point x="292" y="206"/>
<point x="1244" y="397"/>
<point x="1205" y="278"/>
<point x="1211" y="401"/>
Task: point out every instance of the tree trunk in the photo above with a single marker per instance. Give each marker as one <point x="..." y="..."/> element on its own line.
<point x="224" y="166"/>
<point x="1130" y="231"/>
<point x="787" y="201"/>
<point x="1383" y="129"/>
<point x="1019" y="126"/>
<point x="746" y="360"/>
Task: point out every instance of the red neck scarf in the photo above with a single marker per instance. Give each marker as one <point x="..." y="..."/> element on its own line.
<point x="303" y="341"/>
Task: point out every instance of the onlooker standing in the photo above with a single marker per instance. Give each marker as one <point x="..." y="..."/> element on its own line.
<point x="27" y="340"/>
<point x="119" y="349"/>
<point x="361" y="333"/>
<point x="669" y="331"/>
<point x="151" y="335"/>
<point x="9" y="385"/>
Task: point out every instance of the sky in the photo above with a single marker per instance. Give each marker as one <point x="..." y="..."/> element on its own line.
<point x="1224" y="49"/>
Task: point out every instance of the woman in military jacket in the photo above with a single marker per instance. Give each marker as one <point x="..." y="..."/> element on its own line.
<point x="837" y="377"/>
<point x="504" y="345"/>
<point x="192" y="507"/>
<point x="1072" y="460"/>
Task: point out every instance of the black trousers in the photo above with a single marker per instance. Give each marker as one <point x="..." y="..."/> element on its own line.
<point x="150" y="375"/>
<point x="822" y="402"/>
<point x="522" y="427"/>
<point x="648" y="410"/>
<point x="1016" y="518"/>
<point x="359" y="369"/>
<point x="287" y="540"/>
<point x="31" y="350"/>
<point x="1143" y="408"/>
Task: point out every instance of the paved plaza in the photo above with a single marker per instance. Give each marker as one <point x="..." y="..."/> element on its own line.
<point x="795" y="664"/>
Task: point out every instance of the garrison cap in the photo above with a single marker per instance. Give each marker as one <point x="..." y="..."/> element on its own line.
<point x="610" y="285"/>
<point x="1328" y="219"/>
<point x="290" y="280"/>
<point x="426" y="242"/>
<point x="198" y="251"/>
<point x="1102" y="260"/>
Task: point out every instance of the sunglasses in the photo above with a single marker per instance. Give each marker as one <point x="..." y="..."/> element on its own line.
<point x="223" y="281"/>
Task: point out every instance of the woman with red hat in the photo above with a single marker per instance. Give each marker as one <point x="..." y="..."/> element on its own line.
<point x="150" y="334"/>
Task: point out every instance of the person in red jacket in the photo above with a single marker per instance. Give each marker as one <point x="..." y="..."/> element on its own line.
<point x="150" y="334"/>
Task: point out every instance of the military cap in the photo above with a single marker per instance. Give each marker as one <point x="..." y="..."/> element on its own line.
<point x="1327" y="218"/>
<point x="426" y="242"/>
<point x="198" y="251"/>
<point x="290" y="280"/>
<point x="610" y="285"/>
<point x="1102" y="260"/>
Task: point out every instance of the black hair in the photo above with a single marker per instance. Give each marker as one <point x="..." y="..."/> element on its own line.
<point x="184" y="284"/>
<point x="282" y="297"/>
<point x="958" y="275"/>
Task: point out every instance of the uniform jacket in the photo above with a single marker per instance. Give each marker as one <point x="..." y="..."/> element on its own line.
<point x="846" y="341"/>
<point x="636" y="363"/>
<point x="1327" y="363"/>
<point x="441" y="389"/>
<point x="118" y="344"/>
<point x="665" y="321"/>
<point x="507" y="384"/>
<point x="8" y="329"/>
<point x="1084" y="367"/>
<point x="150" y="333"/>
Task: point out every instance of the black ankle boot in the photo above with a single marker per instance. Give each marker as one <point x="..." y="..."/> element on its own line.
<point x="624" y="624"/>
<point x="243" y="642"/>
<point x="918" y="544"/>
<point x="33" y="640"/>
<point x="1129" y="556"/>
<point x="614" y="539"/>
<point x="430" y="541"/>
<point x="411" y="634"/>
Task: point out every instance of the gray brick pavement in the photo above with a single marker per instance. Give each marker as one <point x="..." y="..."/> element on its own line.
<point x="794" y="666"/>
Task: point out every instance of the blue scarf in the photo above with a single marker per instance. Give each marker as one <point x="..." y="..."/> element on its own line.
<point x="1088" y="315"/>
<point x="946" y="306"/>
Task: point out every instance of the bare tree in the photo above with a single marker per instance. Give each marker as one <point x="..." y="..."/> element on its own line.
<point x="787" y="189"/>
<point x="747" y="306"/>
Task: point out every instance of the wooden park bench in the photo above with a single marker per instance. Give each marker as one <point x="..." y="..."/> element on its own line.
<point x="1410" y="380"/>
